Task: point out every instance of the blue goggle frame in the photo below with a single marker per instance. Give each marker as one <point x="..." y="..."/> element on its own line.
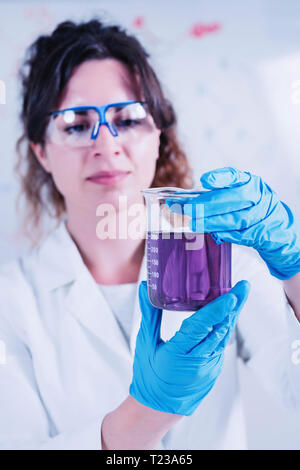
<point x="101" y="110"/>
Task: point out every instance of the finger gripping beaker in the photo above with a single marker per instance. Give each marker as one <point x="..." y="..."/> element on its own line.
<point x="185" y="270"/>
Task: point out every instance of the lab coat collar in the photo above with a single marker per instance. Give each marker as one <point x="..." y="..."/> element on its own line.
<point x="84" y="299"/>
<point x="61" y="256"/>
<point x="69" y="264"/>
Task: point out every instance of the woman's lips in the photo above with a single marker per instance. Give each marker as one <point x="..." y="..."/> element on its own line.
<point x="108" y="177"/>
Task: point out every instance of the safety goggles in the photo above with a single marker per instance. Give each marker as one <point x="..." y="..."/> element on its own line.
<point x="79" y="126"/>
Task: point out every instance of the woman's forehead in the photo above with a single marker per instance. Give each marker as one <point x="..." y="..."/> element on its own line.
<point x="98" y="82"/>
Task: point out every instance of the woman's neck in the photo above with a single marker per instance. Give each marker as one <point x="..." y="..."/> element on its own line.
<point x="110" y="261"/>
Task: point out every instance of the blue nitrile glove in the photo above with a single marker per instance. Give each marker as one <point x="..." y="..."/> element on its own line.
<point x="241" y="208"/>
<point x="174" y="376"/>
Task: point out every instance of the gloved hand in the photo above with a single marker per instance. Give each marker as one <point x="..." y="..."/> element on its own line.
<point x="241" y="208"/>
<point x="174" y="376"/>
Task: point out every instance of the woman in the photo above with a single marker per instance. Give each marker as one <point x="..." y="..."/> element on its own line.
<point x="82" y="370"/>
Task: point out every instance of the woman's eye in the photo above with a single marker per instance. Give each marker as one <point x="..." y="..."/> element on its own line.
<point x="125" y="123"/>
<point x="76" y="129"/>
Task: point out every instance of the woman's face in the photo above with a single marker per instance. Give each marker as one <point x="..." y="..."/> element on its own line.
<point x="99" y="82"/>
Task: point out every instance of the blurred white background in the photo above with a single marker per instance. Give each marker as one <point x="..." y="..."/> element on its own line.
<point x="232" y="70"/>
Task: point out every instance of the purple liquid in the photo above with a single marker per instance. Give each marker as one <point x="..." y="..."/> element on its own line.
<point x="186" y="277"/>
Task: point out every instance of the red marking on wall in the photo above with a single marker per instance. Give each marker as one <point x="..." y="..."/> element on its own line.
<point x="139" y="22"/>
<point x="198" y="30"/>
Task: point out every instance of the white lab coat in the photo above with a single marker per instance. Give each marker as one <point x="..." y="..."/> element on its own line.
<point x="67" y="363"/>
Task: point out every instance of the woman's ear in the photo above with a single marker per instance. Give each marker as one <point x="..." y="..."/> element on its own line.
<point x="40" y="154"/>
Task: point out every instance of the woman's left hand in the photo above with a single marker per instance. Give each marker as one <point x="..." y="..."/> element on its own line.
<point x="241" y="208"/>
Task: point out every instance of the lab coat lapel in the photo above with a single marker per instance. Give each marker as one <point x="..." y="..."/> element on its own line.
<point x="86" y="302"/>
<point x="83" y="298"/>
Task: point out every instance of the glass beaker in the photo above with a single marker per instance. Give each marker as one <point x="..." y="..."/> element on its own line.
<point x="185" y="270"/>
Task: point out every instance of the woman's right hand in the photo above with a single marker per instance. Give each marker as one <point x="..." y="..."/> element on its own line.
<point x="174" y="376"/>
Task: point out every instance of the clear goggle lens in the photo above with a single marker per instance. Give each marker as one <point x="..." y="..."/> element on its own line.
<point x="79" y="128"/>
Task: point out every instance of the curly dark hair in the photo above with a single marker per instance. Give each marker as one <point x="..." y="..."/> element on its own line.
<point x="46" y="69"/>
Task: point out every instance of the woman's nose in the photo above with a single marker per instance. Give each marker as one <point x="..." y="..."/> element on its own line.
<point x="106" y="143"/>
